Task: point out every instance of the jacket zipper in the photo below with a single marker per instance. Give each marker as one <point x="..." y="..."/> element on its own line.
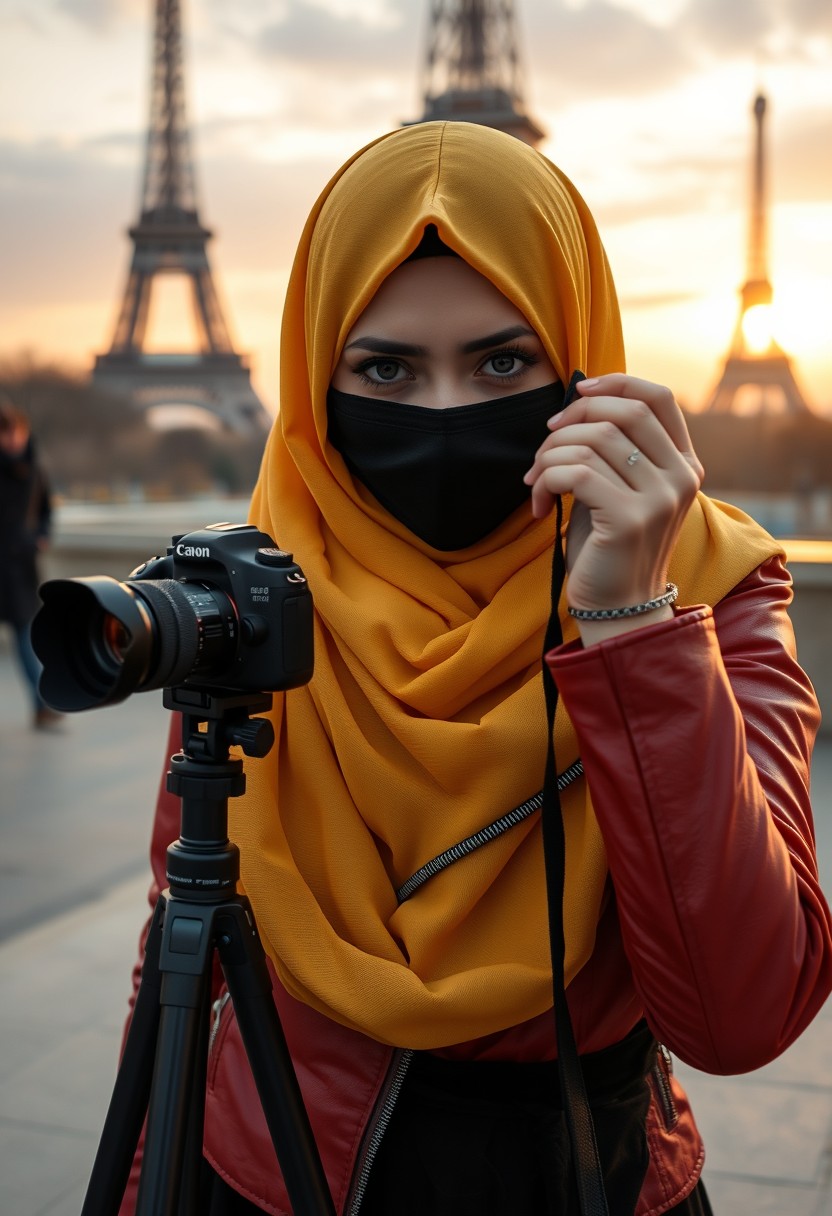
<point x="662" y="1070"/>
<point x="384" y="1107"/>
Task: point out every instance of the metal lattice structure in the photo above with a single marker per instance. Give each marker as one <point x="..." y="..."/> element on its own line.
<point x="472" y="68"/>
<point x="169" y="239"/>
<point x="770" y="370"/>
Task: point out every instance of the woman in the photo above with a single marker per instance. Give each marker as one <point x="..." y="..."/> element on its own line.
<point x="25" y="524"/>
<point x="449" y="289"/>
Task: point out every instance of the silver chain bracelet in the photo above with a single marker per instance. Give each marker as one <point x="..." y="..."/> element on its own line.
<point x="671" y="594"/>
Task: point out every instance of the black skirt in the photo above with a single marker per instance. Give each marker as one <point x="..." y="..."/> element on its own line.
<point x="222" y="1200"/>
<point x="472" y="1138"/>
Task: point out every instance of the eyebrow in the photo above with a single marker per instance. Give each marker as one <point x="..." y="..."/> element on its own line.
<point x="497" y="339"/>
<point x="387" y="346"/>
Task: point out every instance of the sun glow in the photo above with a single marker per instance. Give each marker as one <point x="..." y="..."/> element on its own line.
<point x="757" y="328"/>
<point x="801" y="315"/>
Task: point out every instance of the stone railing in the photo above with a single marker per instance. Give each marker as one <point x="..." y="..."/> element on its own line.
<point x="810" y="563"/>
<point x="113" y="540"/>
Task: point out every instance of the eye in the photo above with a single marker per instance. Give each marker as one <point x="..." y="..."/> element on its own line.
<point x="503" y="364"/>
<point x="506" y="364"/>
<point x="382" y="371"/>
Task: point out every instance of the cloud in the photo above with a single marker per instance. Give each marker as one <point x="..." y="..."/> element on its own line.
<point x="99" y="15"/>
<point x="309" y="34"/>
<point x="699" y="182"/>
<point x="54" y="165"/>
<point x="812" y="16"/>
<point x="796" y="155"/>
<point x="11" y="23"/>
<point x="657" y="201"/>
<point x="597" y="50"/>
<point x="45" y="164"/>
<point x="63" y="216"/>
<point x="729" y="28"/>
<point x="602" y="49"/>
<point x="769" y="29"/>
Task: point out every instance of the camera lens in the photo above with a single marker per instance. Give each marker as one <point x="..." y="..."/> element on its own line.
<point x="100" y="640"/>
<point x="116" y="637"/>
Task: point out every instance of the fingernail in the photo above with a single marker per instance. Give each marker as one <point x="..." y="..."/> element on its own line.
<point x="589" y="383"/>
<point x="527" y="477"/>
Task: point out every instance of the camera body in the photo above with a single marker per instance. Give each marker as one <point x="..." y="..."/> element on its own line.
<point x="224" y="609"/>
<point x="266" y="626"/>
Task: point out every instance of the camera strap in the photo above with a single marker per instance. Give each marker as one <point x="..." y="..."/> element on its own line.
<point x="589" y="1176"/>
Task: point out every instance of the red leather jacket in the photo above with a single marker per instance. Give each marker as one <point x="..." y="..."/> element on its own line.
<point x="695" y="737"/>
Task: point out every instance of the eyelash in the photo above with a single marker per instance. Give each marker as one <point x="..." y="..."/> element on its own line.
<point x="517" y="352"/>
<point x="524" y="356"/>
<point x="361" y="368"/>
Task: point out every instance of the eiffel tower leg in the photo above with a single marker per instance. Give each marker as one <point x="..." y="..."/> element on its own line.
<point x="722" y="398"/>
<point x="209" y="314"/>
<point x="132" y="323"/>
<point x="142" y="310"/>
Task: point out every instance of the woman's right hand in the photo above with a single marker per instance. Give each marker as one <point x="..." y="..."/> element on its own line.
<point x="622" y="449"/>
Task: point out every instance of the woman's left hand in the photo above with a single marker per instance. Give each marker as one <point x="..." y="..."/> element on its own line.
<point x="622" y="449"/>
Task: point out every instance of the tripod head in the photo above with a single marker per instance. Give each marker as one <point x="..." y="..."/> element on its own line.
<point x="227" y="713"/>
<point x="203" y="864"/>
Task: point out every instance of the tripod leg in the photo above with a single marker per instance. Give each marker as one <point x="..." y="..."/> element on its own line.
<point x="189" y="1198"/>
<point x="244" y="965"/>
<point x="128" y="1104"/>
<point x="170" y="1095"/>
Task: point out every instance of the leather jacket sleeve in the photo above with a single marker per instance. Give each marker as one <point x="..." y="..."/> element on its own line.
<point x="696" y="735"/>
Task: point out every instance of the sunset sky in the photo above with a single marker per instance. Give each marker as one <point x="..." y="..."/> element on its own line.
<point x="647" y="104"/>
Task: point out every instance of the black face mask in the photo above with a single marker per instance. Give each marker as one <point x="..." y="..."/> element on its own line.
<point x="449" y="475"/>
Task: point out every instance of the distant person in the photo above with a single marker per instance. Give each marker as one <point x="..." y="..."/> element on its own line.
<point x="25" y="520"/>
<point x="433" y="449"/>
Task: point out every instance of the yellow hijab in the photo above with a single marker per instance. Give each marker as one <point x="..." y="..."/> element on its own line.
<point x="425" y="718"/>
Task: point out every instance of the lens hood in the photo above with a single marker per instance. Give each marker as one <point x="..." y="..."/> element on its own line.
<point x="70" y="635"/>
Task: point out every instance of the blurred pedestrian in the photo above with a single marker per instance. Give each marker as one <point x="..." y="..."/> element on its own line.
<point x="25" y="520"/>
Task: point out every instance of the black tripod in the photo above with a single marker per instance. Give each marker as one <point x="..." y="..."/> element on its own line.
<point x="163" y="1069"/>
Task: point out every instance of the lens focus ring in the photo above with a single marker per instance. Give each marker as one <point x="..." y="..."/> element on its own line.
<point x="196" y="627"/>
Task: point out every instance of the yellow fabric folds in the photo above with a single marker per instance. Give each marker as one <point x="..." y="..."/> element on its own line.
<point x="425" y="718"/>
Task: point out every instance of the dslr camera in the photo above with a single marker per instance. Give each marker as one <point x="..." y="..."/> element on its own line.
<point x="225" y="609"/>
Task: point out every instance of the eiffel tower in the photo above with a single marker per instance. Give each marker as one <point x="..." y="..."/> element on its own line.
<point x="770" y="369"/>
<point x="472" y="72"/>
<point x="170" y="240"/>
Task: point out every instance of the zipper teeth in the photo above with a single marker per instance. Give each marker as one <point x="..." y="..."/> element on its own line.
<point x="483" y="836"/>
<point x="664" y="1085"/>
<point x="217" y="1007"/>
<point x="384" y="1116"/>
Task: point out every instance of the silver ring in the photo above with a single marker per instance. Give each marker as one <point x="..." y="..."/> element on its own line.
<point x="633" y="457"/>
